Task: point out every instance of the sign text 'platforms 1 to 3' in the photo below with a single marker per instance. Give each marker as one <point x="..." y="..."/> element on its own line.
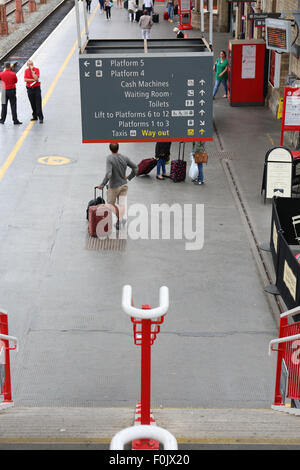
<point x="151" y="98"/>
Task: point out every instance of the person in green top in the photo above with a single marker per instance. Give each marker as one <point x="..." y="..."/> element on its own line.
<point x="221" y="69"/>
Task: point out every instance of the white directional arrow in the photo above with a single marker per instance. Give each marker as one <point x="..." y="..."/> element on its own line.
<point x="87" y="74"/>
<point x="202" y="82"/>
<point x="202" y="102"/>
<point x="202" y="123"/>
<point x="86" y="63"/>
<point x="202" y="92"/>
<point x="201" y="112"/>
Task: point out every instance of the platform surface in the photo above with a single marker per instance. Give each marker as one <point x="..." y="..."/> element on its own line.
<point x="64" y="298"/>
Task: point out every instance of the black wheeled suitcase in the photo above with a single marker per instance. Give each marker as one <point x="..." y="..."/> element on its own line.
<point x="178" y="167"/>
<point x="94" y="202"/>
<point x="155" y="17"/>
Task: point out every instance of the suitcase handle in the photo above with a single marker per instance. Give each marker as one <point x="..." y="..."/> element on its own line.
<point x="179" y="152"/>
<point x="95" y="190"/>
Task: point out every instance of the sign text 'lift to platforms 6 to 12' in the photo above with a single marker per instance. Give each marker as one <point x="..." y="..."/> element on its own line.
<point x="148" y="97"/>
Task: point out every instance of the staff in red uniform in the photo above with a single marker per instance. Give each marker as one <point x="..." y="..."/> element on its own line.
<point x="33" y="85"/>
<point x="8" y="84"/>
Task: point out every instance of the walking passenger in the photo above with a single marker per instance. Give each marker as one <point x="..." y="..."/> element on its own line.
<point x="33" y="86"/>
<point x="221" y="69"/>
<point x="8" y="88"/>
<point x="101" y="3"/>
<point x="132" y="9"/>
<point x="88" y="5"/>
<point x="116" y="166"/>
<point x="107" y="6"/>
<point x="170" y="8"/>
<point x="146" y="24"/>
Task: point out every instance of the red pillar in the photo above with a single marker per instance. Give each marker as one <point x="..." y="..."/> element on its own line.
<point x="3" y="21"/>
<point x="31" y="6"/>
<point x="19" y="12"/>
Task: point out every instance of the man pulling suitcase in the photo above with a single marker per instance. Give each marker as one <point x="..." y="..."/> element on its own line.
<point x="116" y="166"/>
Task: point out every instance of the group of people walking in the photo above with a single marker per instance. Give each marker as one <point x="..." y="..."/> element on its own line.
<point x="9" y="81"/>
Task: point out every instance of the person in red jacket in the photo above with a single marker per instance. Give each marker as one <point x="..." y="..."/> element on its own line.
<point x="33" y="85"/>
<point x="8" y="84"/>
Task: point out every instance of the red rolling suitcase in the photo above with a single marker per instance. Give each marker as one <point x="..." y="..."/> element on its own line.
<point x="178" y="167"/>
<point x="100" y="219"/>
<point x="145" y="166"/>
<point x="166" y="15"/>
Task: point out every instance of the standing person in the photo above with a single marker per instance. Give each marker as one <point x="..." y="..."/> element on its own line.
<point x="198" y="147"/>
<point x="170" y="8"/>
<point x="221" y="69"/>
<point x="162" y="154"/>
<point x="145" y="24"/>
<point x="8" y="84"/>
<point x="33" y="85"/>
<point x="116" y="165"/>
<point x="88" y="5"/>
<point x="107" y="6"/>
<point x="148" y="6"/>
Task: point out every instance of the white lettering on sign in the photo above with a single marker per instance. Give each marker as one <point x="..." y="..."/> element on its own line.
<point x="292" y="110"/>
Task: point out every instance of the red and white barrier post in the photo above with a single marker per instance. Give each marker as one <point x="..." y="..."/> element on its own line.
<point x="5" y="359"/>
<point x="145" y="435"/>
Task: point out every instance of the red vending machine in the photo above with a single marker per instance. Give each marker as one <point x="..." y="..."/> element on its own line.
<point x="184" y="12"/>
<point x="246" y="78"/>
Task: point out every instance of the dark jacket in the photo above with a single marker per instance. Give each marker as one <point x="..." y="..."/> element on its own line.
<point x="162" y="150"/>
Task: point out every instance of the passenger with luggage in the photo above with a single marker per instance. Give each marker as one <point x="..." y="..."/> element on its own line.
<point x="8" y="80"/>
<point x="116" y="166"/>
<point x="146" y="24"/>
<point x="198" y="149"/>
<point x="162" y="154"/>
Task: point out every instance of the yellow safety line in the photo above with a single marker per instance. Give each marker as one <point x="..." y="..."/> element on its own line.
<point x="25" y="133"/>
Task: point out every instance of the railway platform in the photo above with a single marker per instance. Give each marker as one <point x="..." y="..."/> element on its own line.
<point x="76" y="375"/>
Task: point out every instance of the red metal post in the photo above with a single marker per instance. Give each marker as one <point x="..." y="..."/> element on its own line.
<point x="280" y="355"/>
<point x="7" y="383"/>
<point x="146" y="370"/>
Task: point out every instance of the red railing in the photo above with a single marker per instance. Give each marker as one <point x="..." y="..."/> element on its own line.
<point x="287" y="383"/>
<point x="5" y="382"/>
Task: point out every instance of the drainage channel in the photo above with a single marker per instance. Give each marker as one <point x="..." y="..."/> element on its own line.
<point x="258" y="255"/>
